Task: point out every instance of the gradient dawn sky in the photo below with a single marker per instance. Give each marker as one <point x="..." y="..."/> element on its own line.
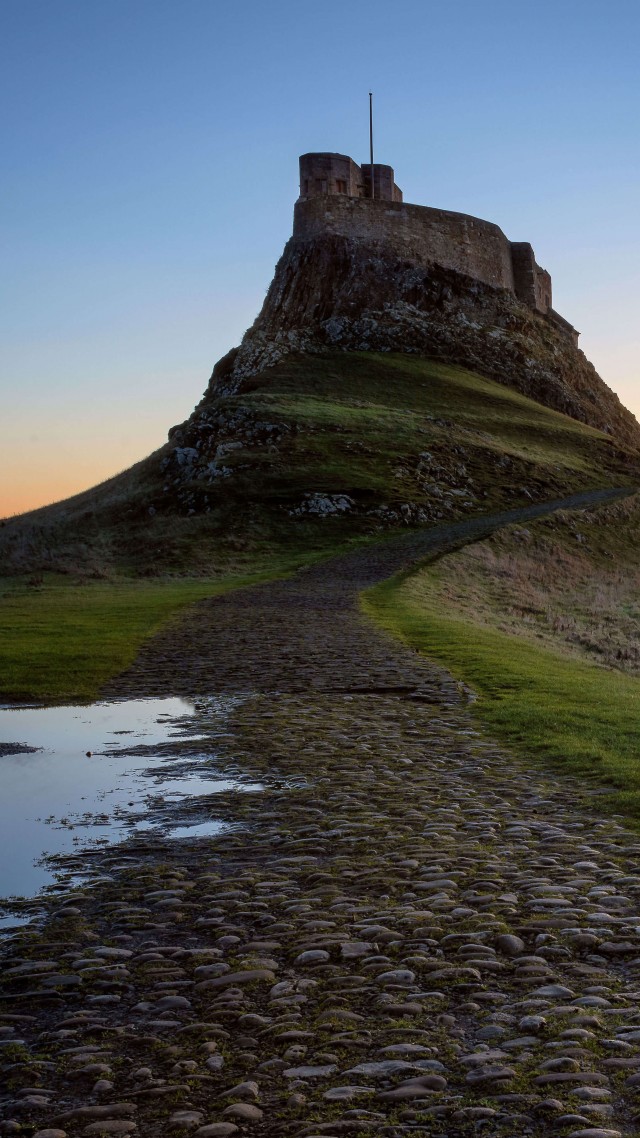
<point x="149" y="168"/>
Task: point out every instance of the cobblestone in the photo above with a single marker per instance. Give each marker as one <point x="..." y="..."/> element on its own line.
<point x="365" y="947"/>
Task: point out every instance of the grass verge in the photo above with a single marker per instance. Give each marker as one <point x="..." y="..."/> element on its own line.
<point x="63" y="641"/>
<point x="562" y="713"/>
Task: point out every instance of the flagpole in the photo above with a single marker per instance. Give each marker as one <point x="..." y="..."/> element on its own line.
<point x="373" y="191"/>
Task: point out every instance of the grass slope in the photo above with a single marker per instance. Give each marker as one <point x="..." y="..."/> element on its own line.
<point x="362" y="420"/>
<point x="542" y="699"/>
<point x="569" y="582"/>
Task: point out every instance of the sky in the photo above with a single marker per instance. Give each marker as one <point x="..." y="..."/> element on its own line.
<point x="149" y="166"/>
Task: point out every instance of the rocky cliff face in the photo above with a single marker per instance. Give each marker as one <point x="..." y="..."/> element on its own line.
<point x="333" y="292"/>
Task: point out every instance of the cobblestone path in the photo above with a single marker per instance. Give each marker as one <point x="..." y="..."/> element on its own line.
<point x="406" y="932"/>
<point x="305" y="634"/>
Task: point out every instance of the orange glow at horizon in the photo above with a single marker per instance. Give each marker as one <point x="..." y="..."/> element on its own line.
<point x="46" y="485"/>
<point x="35" y="493"/>
<point x="34" y="476"/>
<point x="54" y="445"/>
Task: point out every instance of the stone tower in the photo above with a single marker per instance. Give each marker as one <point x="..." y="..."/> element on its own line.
<point x="337" y="174"/>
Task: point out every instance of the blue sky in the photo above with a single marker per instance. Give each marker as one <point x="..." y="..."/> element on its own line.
<point x="149" y="168"/>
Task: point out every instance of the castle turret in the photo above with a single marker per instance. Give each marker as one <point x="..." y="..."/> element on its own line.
<point x="329" y="174"/>
<point x="337" y="174"/>
<point x="384" y="187"/>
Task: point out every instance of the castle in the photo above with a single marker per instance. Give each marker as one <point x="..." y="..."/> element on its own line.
<point x="340" y="198"/>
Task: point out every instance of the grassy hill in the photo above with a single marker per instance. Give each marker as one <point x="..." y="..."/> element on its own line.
<point x="315" y="453"/>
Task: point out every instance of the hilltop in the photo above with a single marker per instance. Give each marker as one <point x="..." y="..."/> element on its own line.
<point x="406" y="368"/>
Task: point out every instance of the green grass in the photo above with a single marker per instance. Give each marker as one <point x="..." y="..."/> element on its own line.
<point x="360" y="422"/>
<point x="62" y="642"/>
<point x="370" y="392"/>
<point x="561" y="713"/>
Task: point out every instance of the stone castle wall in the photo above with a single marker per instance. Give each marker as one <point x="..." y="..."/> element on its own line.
<point x="337" y="199"/>
<point x="454" y="240"/>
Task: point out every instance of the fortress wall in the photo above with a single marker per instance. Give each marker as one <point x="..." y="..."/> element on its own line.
<point x="419" y="233"/>
<point x="564" y="326"/>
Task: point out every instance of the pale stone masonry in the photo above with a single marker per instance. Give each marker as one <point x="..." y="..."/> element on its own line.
<point x="336" y="200"/>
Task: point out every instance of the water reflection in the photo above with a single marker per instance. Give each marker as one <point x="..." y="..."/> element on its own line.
<point x="71" y="792"/>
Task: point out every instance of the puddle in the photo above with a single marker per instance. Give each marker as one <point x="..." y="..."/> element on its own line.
<point x="11" y="922"/>
<point x="58" y="799"/>
<point x="202" y="830"/>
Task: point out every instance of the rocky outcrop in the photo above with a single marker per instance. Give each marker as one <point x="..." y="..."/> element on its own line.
<point x="336" y="293"/>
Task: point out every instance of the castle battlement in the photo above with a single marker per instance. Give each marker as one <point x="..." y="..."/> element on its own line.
<point x="336" y="199"/>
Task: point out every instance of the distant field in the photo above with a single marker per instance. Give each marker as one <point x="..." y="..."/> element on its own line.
<point x="538" y="687"/>
<point x="61" y="641"/>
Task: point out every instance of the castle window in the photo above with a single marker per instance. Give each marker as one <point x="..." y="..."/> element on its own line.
<point x="341" y="186"/>
<point x="321" y="185"/>
<point x="305" y="187"/>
